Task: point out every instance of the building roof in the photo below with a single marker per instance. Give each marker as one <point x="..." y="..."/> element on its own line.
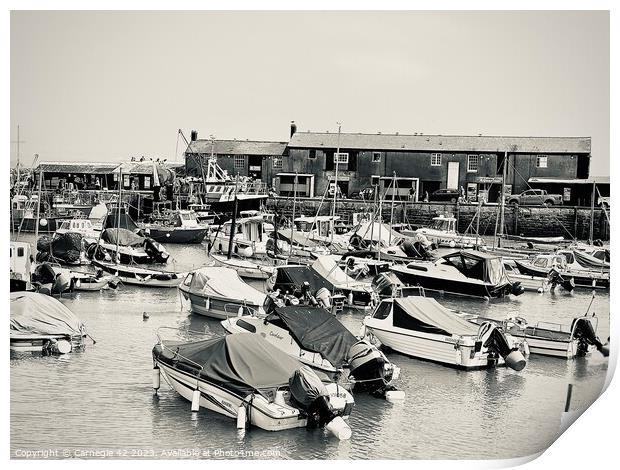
<point x="236" y="147"/>
<point x="442" y="143"/>
<point x="77" y="167"/>
<point x="135" y="168"/>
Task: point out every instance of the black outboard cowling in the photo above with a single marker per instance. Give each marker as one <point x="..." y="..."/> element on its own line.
<point x="516" y="288"/>
<point x="493" y="337"/>
<point x="367" y="367"/>
<point x="384" y="284"/>
<point x="155" y="250"/>
<point x="310" y="395"/>
<point x="415" y="249"/>
<point x="584" y="331"/>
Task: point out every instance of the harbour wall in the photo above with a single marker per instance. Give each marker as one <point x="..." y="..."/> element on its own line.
<point x="528" y="221"/>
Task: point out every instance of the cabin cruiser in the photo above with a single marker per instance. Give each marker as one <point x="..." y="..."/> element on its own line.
<point x="565" y="263"/>
<point x="139" y="275"/>
<point x="79" y="225"/>
<point x="249" y="238"/>
<point x="245" y="377"/>
<point x="322" y="229"/>
<point x="389" y="245"/>
<point x="442" y="232"/>
<point x="179" y="226"/>
<point x="41" y="323"/>
<point x="127" y="247"/>
<point x="465" y="272"/>
<point x="219" y="292"/>
<point x="316" y="338"/>
<point x="421" y="327"/>
<point x="285" y="245"/>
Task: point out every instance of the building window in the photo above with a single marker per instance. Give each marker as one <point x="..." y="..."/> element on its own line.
<point x="376" y="157"/>
<point x="435" y="159"/>
<point x="239" y="161"/>
<point x="312" y="154"/>
<point x="472" y="163"/>
<point x="277" y="163"/>
<point x="147" y="182"/>
<point x="343" y="158"/>
<point x="541" y="161"/>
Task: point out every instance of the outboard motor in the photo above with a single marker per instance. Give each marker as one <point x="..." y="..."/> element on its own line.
<point x="384" y="284"/>
<point x="516" y="288"/>
<point x="156" y="251"/>
<point x="584" y="331"/>
<point x="555" y="279"/>
<point x="311" y="395"/>
<point x="494" y="338"/>
<point x="367" y="367"/>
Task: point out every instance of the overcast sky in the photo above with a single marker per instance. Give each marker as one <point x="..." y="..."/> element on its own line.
<point x="104" y="86"/>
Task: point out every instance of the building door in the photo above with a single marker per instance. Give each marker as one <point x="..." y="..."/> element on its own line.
<point x="453" y="175"/>
<point x="255" y="166"/>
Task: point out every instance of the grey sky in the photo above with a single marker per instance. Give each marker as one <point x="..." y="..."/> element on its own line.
<point x="104" y="86"/>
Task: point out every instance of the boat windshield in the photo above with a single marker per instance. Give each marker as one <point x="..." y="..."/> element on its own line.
<point x="445" y="225"/>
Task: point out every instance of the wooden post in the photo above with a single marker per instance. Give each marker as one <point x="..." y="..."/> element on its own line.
<point x="569" y="396"/>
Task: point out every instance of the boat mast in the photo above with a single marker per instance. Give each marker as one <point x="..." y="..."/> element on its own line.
<point x="502" y="201"/>
<point x="118" y="213"/>
<point x="36" y="222"/>
<point x="336" y="158"/>
<point x="233" y="222"/>
<point x="591" y="240"/>
<point x="293" y="217"/>
<point x="380" y="224"/>
<point x="392" y="208"/>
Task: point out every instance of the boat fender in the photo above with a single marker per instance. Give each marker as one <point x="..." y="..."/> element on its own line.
<point x="241" y="416"/>
<point x="350" y="298"/>
<point x="156" y="379"/>
<point x="323" y="297"/>
<point x="395" y="373"/>
<point x="196" y="400"/>
<point x="339" y="428"/>
<point x="240" y="311"/>
<point x="61" y="347"/>
<point x="515" y="360"/>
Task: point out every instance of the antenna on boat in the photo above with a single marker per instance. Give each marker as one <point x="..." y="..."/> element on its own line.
<point x="337" y="158"/>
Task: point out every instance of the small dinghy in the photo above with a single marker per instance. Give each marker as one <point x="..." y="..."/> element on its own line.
<point x="139" y="276"/>
<point x="316" y="338"/>
<point x="551" y="339"/>
<point x="41" y="323"/>
<point x="245" y="377"/>
<point x="220" y="293"/>
<point x="245" y="267"/>
<point x="93" y="282"/>
<point x="421" y="327"/>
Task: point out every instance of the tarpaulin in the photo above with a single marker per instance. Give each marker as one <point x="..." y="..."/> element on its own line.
<point x="33" y="313"/>
<point x="429" y="316"/>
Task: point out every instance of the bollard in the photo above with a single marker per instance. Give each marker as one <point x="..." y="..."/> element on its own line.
<point x="196" y="400"/>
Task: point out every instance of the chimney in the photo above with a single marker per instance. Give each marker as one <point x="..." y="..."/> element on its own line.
<point x="194" y="136"/>
<point x="293" y="128"/>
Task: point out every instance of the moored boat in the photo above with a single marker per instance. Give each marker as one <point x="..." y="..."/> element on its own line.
<point x="41" y="323"/>
<point x="465" y="272"/>
<point x="542" y="265"/>
<point x="140" y="276"/>
<point x="421" y="327"/>
<point x="245" y="267"/>
<point x="219" y="292"/>
<point x="179" y="226"/>
<point x="244" y="377"/>
<point x="316" y="338"/>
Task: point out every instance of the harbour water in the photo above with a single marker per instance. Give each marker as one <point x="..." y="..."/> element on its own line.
<point x="99" y="402"/>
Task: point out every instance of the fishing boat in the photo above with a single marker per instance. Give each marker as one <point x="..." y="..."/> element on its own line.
<point x="249" y="238"/>
<point x="566" y="265"/>
<point x="442" y="232"/>
<point x="180" y="226"/>
<point x="554" y="339"/>
<point x="245" y="267"/>
<point x="246" y="378"/>
<point x="316" y="338"/>
<point x="40" y="323"/>
<point x="421" y="327"/>
<point x="220" y="293"/>
<point x="139" y="275"/>
<point x="465" y="272"/>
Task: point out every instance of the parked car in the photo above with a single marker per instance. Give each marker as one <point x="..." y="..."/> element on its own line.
<point x="451" y="195"/>
<point x="535" y="197"/>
